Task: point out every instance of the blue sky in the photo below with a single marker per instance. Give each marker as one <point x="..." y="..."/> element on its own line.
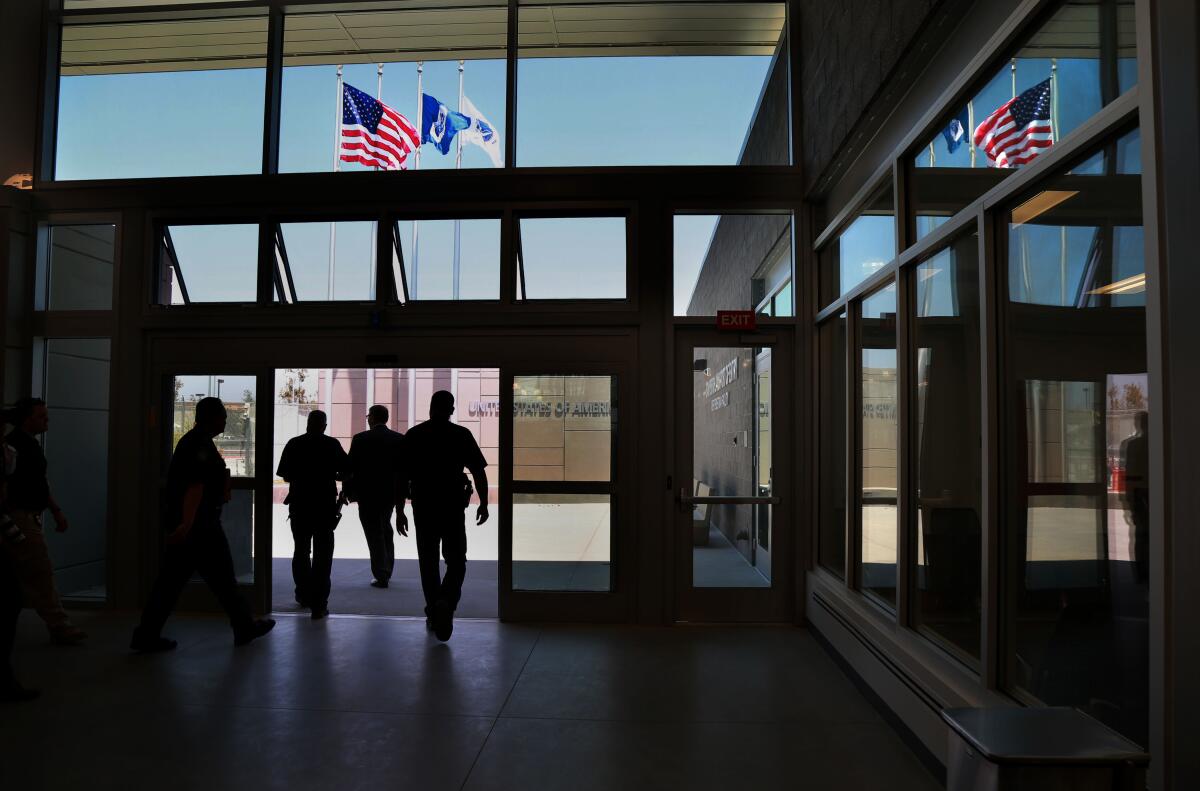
<point x="573" y="111"/>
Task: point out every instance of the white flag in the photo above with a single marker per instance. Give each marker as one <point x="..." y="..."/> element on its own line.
<point x="482" y="133"/>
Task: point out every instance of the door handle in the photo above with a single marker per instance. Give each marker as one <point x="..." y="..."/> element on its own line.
<point x="686" y="499"/>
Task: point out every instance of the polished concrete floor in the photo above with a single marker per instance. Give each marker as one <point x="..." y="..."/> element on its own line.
<point x="376" y="703"/>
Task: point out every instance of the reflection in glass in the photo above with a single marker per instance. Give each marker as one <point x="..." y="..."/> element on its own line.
<point x="571" y="258"/>
<point x="76" y="446"/>
<point x="831" y="493"/>
<point x="168" y="97"/>
<point x="325" y="261"/>
<point x="208" y="263"/>
<point x="562" y="428"/>
<point x="448" y="259"/>
<point x="866" y="245"/>
<point x="1082" y="58"/>
<point x="603" y="70"/>
<point x="878" y="435"/>
<point x="80" y="267"/>
<point x="731" y="426"/>
<point x="948" y="475"/>
<point x="733" y="262"/>
<point x="562" y="542"/>
<point x="1077" y="500"/>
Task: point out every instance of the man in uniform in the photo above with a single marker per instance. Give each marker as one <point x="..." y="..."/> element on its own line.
<point x="197" y="488"/>
<point x="28" y="498"/>
<point x="312" y="463"/>
<point x="376" y="459"/>
<point x="438" y="450"/>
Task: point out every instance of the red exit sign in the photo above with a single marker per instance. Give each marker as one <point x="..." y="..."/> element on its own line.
<point x="736" y="320"/>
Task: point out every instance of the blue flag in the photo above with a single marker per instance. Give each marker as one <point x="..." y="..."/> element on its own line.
<point x="956" y="131"/>
<point x="439" y="124"/>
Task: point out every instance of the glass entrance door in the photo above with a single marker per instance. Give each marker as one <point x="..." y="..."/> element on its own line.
<point x="242" y="512"/>
<point x="731" y="546"/>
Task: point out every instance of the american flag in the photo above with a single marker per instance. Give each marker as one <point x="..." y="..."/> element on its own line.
<point x="373" y="133"/>
<point x="1018" y="131"/>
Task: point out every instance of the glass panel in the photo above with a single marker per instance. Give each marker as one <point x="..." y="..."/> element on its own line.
<point x="76" y="446"/>
<point x="948" y="473"/>
<point x="562" y="542"/>
<point x="727" y="425"/>
<point x="204" y="79"/>
<point x="732" y="262"/>
<point x="392" y="53"/>
<point x="571" y="258"/>
<point x="878" y="434"/>
<point x="81" y="267"/>
<point x="236" y="445"/>
<point x="862" y="249"/>
<point x="449" y="259"/>
<point x="605" y="69"/>
<point x="831" y="497"/>
<point x="1083" y="57"/>
<point x="208" y="263"/>
<point x="562" y="428"/>
<point x="1076" y="439"/>
<point x="327" y="261"/>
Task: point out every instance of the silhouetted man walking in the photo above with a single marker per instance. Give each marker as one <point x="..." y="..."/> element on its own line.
<point x="376" y="460"/>
<point x="312" y="463"/>
<point x="28" y="498"/>
<point x="197" y="489"/>
<point x="438" y="450"/>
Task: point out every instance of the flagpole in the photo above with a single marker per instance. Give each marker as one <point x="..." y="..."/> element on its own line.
<point x="412" y="286"/>
<point x="373" y="253"/>
<point x="971" y="128"/>
<point x="457" y="166"/>
<point x="1062" y="229"/>
<point x="930" y="153"/>
<point x="1013" y="70"/>
<point x="337" y="148"/>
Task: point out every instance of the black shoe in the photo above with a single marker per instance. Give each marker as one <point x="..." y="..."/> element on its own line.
<point x="151" y="645"/>
<point x="319" y="612"/>
<point x="443" y="620"/>
<point x="257" y="630"/>
<point x="15" y="693"/>
<point x="379" y="583"/>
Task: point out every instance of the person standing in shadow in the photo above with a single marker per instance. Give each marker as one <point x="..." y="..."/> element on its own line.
<point x="11" y="690"/>
<point x="198" y="486"/>
<point x="1135" y="457"/>
<point x="376" y="461"/>
<point x="312" y="463"/>
<point x="28" y="498"/>
<point x="438" y="450"/>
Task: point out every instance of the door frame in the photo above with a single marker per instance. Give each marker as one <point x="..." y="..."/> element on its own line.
<point x="776" y="604"/>
<point x="512" y="350"/>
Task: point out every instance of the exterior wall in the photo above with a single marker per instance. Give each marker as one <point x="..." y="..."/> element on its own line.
<point x="849" y="50"/>
<point x="723" y="436"/>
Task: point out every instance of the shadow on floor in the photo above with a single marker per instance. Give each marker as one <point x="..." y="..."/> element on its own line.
<point x="352" y="594"/>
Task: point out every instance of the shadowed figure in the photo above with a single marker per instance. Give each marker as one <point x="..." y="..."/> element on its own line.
<point x="312" y="463"/>
<point x="11" y="690"/>
<point x="198" y="486"/>
<point x="376" y="461"/>
<point x="1135" y="457"/>
<point x="438" y="451"/>
<point x="28" y="499"/>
